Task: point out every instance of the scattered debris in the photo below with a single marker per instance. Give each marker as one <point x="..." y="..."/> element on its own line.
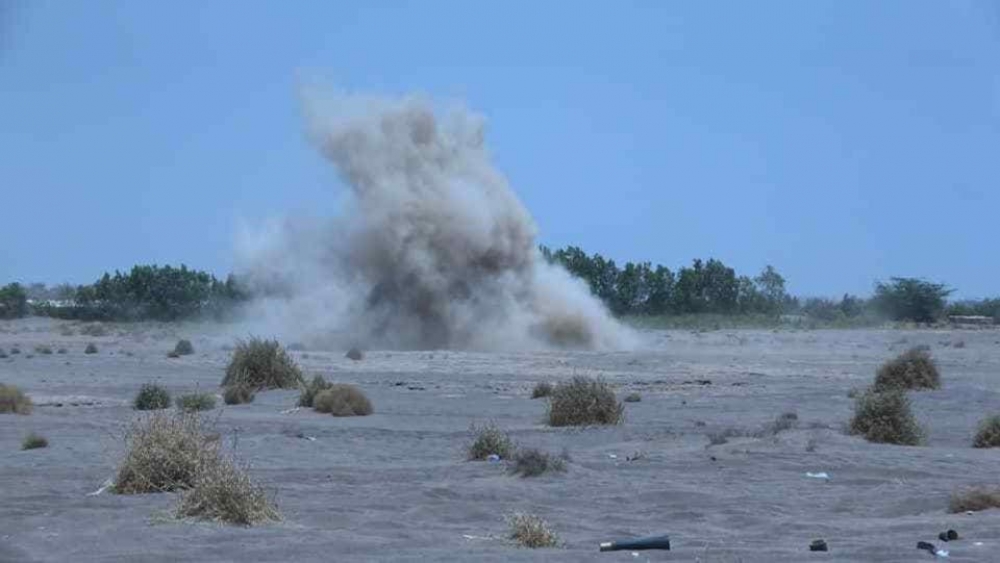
<point x="820" y="475"/>
<point x="638" y="544"/>
<point x="108" y="483"/>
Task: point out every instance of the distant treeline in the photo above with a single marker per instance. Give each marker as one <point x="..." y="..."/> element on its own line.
<point x="145" y="293"/>
<point x="641" y="289"/>
<point x="166" y="293"/>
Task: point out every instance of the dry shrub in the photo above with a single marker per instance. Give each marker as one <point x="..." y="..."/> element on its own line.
<point x="151" y="397"/>
<point x="341" y="399"/>
<point x="224" y="492"/>
<point x="886" y="418"/>
<point x="196" y="402"/>
<point x="489" y="440"/>
<point x="974" y="499"/>
<point x="93" y="329"/>
<point x="785" y="421"/>
<point x="13" y="400"/>
<point x="913" y="369"/>
<point x="164" y="452"/>
<point x="531" y="531"/>
<point x="541" y="390"/>
<point x="261" y="364"/>
<point x="15" y="351"/>
<point x="355" y="354"/>
<point x="183" y="348"/>
<point x="90" y="349"/>
<point x="633" y="398"/>
<point x="988" y="435"/>
<point x="43" y="349"/>
<point x="533" y="462"/>
<point x="238" y="394"/>
<point x="34" y="441"/>
<point x="583" y="401"/>
<point x="310" y="390"/>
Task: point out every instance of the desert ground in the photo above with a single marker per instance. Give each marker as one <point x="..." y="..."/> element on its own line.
<point x="396" y="485"/>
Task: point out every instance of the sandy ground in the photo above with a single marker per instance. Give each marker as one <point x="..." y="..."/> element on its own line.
<point x="395" y="485"/>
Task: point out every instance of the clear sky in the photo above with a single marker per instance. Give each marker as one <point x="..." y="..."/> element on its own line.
<point x="840" y="141"/>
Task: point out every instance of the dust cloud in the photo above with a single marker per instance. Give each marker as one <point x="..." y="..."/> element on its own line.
<point x="431" y="248"/>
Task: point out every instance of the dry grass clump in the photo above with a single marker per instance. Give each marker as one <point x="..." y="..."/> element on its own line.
<point x="633" y="397"/>
<point x="913" y="369"/>
<point x="13" y="400"/>
<point x="238" y="394"/>
<point x="785" y="421"/>
<point x="311" y="389"/>
<point x="164" y="452"/>
<point x="886" y="418"/>
<point x="988" y="435"/>
<point x="341" y="399"/>
<point x="93" y="329"/>
<point x="543" y="389"/>
<point x="262" y="364"/>
<point x="196" y="402"/>
<point x="183" y="348"/>
<point x="151" y="397"/>
<point x="43" y="349"/>
<point x="531" y="531"/>
<point x="533" y="462"/>
<point x="355" y="354"/>
<point x="90" y="349"/>
<point x="15" y="351"/>
<point x="33" y="441"/>
<point x="490" y="440"/>
<point x="224" y="492"/>
<point x="974" y="499"/>
<point x="583" y="401"/>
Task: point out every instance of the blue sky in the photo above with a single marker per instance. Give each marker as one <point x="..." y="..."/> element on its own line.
<point x="840" y="141"/>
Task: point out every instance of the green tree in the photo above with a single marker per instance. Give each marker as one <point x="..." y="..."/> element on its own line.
<point x="911" y="299"/>
<point x="13" y="301"/>
<point x="771" y="286"/>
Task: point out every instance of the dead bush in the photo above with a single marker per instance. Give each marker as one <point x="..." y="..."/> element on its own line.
<point x="238" y="394"/>
<point x="974" y="499"/>
<point x="13" y="400"/>
<point x="541" y="390"/>
<point x="224" y="492"/>
<point x="261" y="364"/>
<point x="633" y="398"/>
<point x="533" y="462"/>
<point x="355" y="354"/>
<point x="584" y="401"/>
<point x="531" y="531"/>
<point x="913" y="369"/>
<point x="90" y="349"/>
<point x="164" y="452"/>
<point x="489" y="440"/>
<point x="341" y="399"/>
<point x="988" y="435"/>
<point x="43" y="349"/>
<point x="886" y="418"/>
<point x="309" y="391"/>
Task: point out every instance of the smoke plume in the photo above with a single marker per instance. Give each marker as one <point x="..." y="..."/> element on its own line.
<point x="432" y="248"/>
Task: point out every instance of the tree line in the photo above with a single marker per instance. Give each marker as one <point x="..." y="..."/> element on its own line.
<point x="146" y="292"/>
<point x="167" y="293"/>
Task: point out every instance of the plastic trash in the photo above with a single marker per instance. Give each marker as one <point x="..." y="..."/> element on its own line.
<point x="493" y="458"/>
<point x="638" y="544"/>
<point x="820" y="475"/>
